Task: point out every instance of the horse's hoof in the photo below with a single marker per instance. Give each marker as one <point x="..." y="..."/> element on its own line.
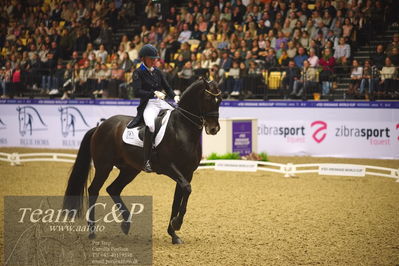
<point x="177" y="241"/>
<point x="176" y="225"/>
<point x="92" y="235"/>
<point x="125" y="226"/>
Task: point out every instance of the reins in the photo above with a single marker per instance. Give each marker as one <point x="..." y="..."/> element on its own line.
<point x="201" y="119"/>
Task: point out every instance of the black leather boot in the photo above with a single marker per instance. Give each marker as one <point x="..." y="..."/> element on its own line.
<point x="131" y="124"/>
<point x="147" y="147"/>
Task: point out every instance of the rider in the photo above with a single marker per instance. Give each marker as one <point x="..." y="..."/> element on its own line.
<point x="148" y="83"/>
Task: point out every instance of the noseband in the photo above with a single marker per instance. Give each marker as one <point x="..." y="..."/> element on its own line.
<point x="201" y="117"/>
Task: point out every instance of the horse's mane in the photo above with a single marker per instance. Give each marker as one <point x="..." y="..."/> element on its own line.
<point x="193" y="87"/>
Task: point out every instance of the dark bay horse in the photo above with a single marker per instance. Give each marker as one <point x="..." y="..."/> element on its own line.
<point x="177" y="156"/>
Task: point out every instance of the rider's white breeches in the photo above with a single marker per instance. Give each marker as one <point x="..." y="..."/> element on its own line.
<point x="151" y="111"/>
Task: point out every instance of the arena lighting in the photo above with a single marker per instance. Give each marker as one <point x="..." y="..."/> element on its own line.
<point x="288" y="170"/>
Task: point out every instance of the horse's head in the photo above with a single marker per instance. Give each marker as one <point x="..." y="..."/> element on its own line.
<point x="202" y="100"/>
<point x="210" y="107"/>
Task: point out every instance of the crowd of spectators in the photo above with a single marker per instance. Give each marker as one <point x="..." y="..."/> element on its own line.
<point x="66" y="47"/>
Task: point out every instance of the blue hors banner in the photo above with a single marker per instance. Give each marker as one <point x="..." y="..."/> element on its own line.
<point x="290" y="128"/>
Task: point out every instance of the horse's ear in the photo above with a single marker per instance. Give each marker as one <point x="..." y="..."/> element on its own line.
<point x="201" y="77"/>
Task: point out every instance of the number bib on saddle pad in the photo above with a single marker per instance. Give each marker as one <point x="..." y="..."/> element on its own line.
<point x="133" y="136"/>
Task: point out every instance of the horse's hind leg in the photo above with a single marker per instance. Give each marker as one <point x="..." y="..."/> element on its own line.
<point x="98" y="181"/>
<point x="125" y="176"/>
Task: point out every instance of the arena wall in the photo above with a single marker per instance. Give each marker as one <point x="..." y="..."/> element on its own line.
<point x="292" y="128"/>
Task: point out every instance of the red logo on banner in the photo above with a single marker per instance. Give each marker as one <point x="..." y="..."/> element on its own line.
<point x="317" y="136"/>
<point x="397" y="127"/>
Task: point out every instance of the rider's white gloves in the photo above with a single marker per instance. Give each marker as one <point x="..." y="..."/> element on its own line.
<point x="159" y="95"/>
<point x="177" y="99"/>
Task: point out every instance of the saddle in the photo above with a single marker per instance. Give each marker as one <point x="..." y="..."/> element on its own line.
<point x="135" y="136"/>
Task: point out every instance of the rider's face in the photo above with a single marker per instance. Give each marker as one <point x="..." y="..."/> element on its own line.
<point x="149" y="62"/>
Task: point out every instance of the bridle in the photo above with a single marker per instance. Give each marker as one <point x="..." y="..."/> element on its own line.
<point x="200" y="118"/>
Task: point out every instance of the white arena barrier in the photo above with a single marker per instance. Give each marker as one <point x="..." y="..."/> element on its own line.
<point x="288" y="170"/>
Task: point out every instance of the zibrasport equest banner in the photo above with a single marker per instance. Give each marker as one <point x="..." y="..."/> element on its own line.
<point x="338" y="129"/>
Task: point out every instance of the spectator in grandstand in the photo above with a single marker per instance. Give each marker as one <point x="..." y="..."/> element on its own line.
<point x="289" y="76"/>
<point x="308" y="81"/>
<point x="270" y="59"/>
<point x="281" y="40"/>
<point x="126" y="64"/>
<point x="185" y="51"/>
<point x="215" y="76"/>
<point x="81" y="41"/>
<point x="48" y="70"/>
<point x="311" y="29"/>
<point x="388" y="81"/>
<point x="304" y="40"/>
<point x="186" y="76"/>
<point x="233" y="81"/>
<point x="204" y="61"/>
<point x="368" y="81"/>
<point x="34" y="71"/>
<point x="327" y="62"/>
<point x="171" y="17"/>
<point x="83" y="60"/>
<point x="117" y="77"/>
<point x="300" y="57"/>
<point x="185" y="34"/>
<point x="105" y="35"/>
<point x="214" y="58"/>
<point x="225" y="62"/>
<point x="7" y="74"/>
<point x="94" y="80"/>
<point x="16" y="81"/>
<point x="395" y="56"/>
<point x="254" y="78"/>
<point x="67" y="80"/>
<point x="101" y="53"/>
<point x="379" y="56"/>
<point x="321" y="29"/>
<point x="342" y="52"/>
<point x="270" y="37"/>
<point x="291" y="50"/>
<point x="313" y="58"/>
<point x="283" y="60"/>
<point x="356" y="77"/>
<point x="394" y="44"/>
<point x="347" y="28"/>
<point x="82" y="85"/>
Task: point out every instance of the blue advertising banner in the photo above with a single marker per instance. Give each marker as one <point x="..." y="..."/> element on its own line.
<point x="242" y="137"/>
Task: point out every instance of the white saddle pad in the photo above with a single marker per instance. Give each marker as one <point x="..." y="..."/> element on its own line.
<point x="131" y="135"/>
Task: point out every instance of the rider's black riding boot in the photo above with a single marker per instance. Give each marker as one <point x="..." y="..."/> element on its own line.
<point x="131" y="124"/>
<point x="147" y="146"/>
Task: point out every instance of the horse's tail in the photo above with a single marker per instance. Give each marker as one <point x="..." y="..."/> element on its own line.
<point x="77" y="182"/>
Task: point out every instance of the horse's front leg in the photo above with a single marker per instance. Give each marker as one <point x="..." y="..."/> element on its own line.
<point x="179" y="207"/>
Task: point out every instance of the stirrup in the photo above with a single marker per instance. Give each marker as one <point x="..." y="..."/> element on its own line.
<point x="147" y="167"/>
